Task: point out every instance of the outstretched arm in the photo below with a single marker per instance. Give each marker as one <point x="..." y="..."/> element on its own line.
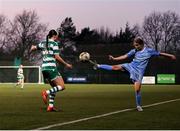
<point x="60" y="60"/>
<point x="122" y="57"/>
<point x="173" y="57"/>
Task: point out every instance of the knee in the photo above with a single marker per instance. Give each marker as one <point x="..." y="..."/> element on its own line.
<point x="137" y="90"/>
<point x="61" y="87"/>
<point x="137" y="86"/>
<point x="116" y="67"/>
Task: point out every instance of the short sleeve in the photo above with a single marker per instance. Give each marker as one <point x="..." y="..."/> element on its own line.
<point x="131" y="53"/>
<point x="40" y="46"/>
<point x="153" y="52"/>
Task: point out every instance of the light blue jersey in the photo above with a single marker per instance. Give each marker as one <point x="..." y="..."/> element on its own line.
<point x="141" y="58"/>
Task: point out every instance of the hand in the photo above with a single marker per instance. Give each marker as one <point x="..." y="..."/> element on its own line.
<point x="111" y="57"/>
<point x="173" y="57"/>
<point x="33" y="47"/>
<point x="69" y="66"/>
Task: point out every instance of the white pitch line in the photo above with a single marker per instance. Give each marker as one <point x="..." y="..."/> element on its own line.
<point x="103" y="115"/>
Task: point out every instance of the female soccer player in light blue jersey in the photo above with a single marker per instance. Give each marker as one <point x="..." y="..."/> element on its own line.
<point x="50" y="51"/>
<point x="137" y="67"/>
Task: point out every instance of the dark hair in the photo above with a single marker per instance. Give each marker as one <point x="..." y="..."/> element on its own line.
<point x="139" y="40"/>
<point x="50" y="34"/>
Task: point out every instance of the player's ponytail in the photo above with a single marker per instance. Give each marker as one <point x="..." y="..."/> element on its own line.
<point x="47" y="38"/>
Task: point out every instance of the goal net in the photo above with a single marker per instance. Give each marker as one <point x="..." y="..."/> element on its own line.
<point x="32" y="74"/>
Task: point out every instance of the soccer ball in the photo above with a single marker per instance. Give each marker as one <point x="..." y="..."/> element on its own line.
<point x="84" y="56"/>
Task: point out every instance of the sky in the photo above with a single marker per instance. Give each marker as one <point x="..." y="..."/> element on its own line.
<point x="95" y="14"/>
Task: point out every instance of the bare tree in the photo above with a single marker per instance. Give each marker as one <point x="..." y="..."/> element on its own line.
<point x="161" y="30"/>
<point x="152" y="31"/>
<point x="170" y="27"/>
<point x="176" y="40"/>
<point x="4" y="23"/>
<point x="25" y="31"/>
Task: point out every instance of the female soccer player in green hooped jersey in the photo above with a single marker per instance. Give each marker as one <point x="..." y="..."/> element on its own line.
<point x="137" y="67"/>
<point x="50" y="51"/>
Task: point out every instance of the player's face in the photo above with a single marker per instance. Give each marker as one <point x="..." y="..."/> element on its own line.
<point x="21" y="66"/>
<point x="55" y="37"/>
<point x="137" y="46"/>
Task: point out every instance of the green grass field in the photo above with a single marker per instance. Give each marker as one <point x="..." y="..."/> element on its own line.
<point x="24" y="109"/>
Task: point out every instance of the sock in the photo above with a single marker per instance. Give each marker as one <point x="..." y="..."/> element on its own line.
<point x="51" y="99"/>
<point x="22" y="85"/>
<point x="138" y="98"/>
<point x="105" y="67"/>
<point x="53" y="90"/>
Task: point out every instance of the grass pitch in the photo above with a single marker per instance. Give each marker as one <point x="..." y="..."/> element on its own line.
<point x="24" y="109"/>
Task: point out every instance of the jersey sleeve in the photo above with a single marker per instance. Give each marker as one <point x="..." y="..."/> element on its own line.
<point x="131" y="53"/>
<point x="40" y="46"/>
<point x="55" y="48"/>
<point x="153" y="52"/>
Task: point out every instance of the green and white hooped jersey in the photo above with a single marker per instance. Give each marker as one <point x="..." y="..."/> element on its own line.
<point x="20" y="73"/>
<point x="49" y="62"/>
